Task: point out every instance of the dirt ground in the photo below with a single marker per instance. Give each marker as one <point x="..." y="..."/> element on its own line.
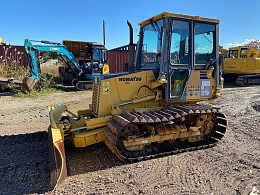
<point x="231" y="167"/>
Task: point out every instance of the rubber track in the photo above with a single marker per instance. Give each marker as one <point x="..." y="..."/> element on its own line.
<point x="247" y="80"/>
<point x="84" y="82"/>
<point x="164" y="115"/>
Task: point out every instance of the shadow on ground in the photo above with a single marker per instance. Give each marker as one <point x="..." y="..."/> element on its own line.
<point x="24" y="162"/>
<point x="230" y="85"/>
<point x="65" y="88"/>
<point x="89" y="159"/>
<point x="24" y="166"/>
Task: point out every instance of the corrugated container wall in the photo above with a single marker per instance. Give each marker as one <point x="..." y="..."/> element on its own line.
<point x="117" y="59"/>
<point x="13" y="56"/>
<point x="77" y="48"/>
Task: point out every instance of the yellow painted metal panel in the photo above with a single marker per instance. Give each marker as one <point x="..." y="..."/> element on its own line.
<point x="122" y="89"/>
<point x="251" y="64"/>
<point x="242" y="65"/>
<point x="56" y="135"/>
<point x="175" y="15"/>
<point x="86" y="138"/>
<point x="133" y="82"/>
<point x="199" y="88"/>
<point x="99" y="120"/>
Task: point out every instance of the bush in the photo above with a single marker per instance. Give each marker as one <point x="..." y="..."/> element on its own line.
<point x="16" y="72"/>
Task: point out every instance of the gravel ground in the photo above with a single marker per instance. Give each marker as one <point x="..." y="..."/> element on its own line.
<point x="231" y="167"/>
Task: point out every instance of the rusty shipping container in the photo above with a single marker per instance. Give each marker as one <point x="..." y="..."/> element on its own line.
<point x="16" y="56"/>
<point x="13" y="55"/>
<point x="117" y="59"/>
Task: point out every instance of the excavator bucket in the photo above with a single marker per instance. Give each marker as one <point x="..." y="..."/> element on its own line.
<point x="29" y="83"/>
<point x="57" y="161"/>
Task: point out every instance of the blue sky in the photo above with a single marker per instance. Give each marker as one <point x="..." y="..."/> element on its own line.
<point x="82" y="20"/>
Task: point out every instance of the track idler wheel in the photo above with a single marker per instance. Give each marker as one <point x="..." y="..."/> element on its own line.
<point x="129" y="130"/>
<point x="126" y="133"/>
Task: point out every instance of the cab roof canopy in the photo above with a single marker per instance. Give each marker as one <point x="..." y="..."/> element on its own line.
<point x="174" y="15"/>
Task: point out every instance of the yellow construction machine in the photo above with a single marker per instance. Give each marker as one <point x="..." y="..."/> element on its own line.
<point x="242" y="65"/>
<point x="2" y="42"/>
<point x="153" y="110"/>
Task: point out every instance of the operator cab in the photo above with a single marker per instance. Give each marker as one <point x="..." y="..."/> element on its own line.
<point x="178" y="45"/>
<point x="242" y="52"/>
<point x="94" y="58"/>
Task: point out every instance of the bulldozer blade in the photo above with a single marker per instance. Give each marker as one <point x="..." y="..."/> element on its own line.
<point x="58" y="170"/>
<point x="29" y="83"/>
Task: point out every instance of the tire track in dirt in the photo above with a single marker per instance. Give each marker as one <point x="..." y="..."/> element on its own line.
<point x="230" y="167"/>
<point x="228" y="171"/>
<point x="192" y="173"/>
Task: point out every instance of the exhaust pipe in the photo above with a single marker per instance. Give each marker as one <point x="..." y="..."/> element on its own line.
<point x="131" y="49"/>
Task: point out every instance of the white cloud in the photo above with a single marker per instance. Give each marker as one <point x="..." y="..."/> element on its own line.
<point x="234" y="44"/>
<point x="248" y="41"/>
<point x="240" y="44"/>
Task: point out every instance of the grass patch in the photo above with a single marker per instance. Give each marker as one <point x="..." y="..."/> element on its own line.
<point x="13" y="65"/>
<point x="16" y="72"/>
<point x="48" y="86"/>
<point x="47" y="80"/>
<point x="35" y="94"/>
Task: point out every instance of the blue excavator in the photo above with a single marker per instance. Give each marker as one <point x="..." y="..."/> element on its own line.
<point x="83" y="74"/>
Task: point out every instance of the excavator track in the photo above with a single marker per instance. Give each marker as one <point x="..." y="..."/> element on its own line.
<point x="247" y="80"/>
<point x="172" y="129"/>
<point x="84" y="85"/>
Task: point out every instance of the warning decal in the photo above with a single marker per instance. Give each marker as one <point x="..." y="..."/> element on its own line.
<point x="105" y="88"/>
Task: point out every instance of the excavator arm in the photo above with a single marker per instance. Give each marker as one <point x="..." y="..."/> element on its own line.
<point x="31" y="49"/>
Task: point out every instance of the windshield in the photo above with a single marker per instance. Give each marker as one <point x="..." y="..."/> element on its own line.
<point x="180" y="43"/>
<point x="244" y="52"/>
<point x="98" y="53"/>
<point x="204" y="43"/>
<point x="233" y="53"/>
<point x="152" y="42"/>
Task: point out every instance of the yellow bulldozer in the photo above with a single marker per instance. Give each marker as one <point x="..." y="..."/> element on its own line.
<point x="153" y="110"/>
<point x="242" y="65"/>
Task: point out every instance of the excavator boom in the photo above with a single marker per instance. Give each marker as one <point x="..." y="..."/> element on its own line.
<point x="83" y="78"/>
<point x="33" y="79"/>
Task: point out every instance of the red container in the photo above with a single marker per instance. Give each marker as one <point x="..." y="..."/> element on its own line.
<point x="14" y="55"/>
<point x="117" y="59"/>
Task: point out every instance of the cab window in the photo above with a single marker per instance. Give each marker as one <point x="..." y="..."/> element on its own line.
<point x="233" y="53"/>
<point x="204" y="43"/>
<point x="179" y="53"/>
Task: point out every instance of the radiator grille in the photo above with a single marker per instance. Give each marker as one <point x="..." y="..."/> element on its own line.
<point x="95" y="99"/>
